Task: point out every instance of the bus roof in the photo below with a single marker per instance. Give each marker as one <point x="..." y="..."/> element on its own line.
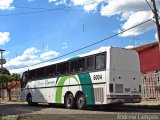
<point x="100" y="50"/>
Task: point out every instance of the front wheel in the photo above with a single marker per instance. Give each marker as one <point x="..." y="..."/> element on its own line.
<point x="69" y="101"/>
<point x="29" y="100"/>
<point x="81" y="102"/>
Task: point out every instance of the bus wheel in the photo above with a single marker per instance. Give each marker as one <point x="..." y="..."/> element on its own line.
<point x="69" y="101"/>
<point x="29" y="100"/>
<point x="81" y="102"/>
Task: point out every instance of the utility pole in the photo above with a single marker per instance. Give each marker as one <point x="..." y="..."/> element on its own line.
<point x="2" y="61"/>
<point x="156" y="19"/>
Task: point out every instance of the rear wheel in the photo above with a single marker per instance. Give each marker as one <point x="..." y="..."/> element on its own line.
<point x="81" y="102"/>
<point x="29" y="100"/>
<point x="69" y="101"/>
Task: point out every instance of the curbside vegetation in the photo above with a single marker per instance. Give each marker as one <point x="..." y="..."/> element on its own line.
<point x="8" y="117"/>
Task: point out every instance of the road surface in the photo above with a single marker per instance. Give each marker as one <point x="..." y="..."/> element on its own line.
<point x="21" y="111"/>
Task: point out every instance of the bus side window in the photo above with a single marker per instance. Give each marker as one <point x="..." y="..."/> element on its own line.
<point x="73" y="65"/>
<point x="59" y="69"/>
<point x="81" y="65"/>
<point x="32" y="74"/>
<point x="51" y="71"/>
<point x="41" y="72"/>
<point x="100" y="61"/>
<point x="90" y="63"/>
<point x="64" y="68"/>
<point x="24" y="80"/>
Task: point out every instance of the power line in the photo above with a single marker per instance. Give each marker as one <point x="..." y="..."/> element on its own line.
<point x="149" y="5"/>
<point x="87" y="45"/>
<point x="23" y="7"/>
<point x="45" y="9"/>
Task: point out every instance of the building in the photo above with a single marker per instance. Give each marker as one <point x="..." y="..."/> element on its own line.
<point x="149" y="56"/>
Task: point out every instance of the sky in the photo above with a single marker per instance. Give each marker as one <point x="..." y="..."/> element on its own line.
<point x="34" y="31"/>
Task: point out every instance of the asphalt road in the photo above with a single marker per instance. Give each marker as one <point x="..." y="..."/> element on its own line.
<point x="22" y="111"/>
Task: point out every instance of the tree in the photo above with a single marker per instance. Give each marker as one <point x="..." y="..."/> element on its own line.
<point x="3" y="79"/>
<point x="8" y="81"/>
<point x="4" y="71"/>
<point x="12" y="83"/>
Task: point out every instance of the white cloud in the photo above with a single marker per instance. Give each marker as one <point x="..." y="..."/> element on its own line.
<point x="88" y="5"/>
<point x="52" y="1"/>
<point x="28" y="57"/>
<point x="129" y="12"/>
<point x="49" y="55"/>
<point x="6" y="53"/>
<point x="156" y="37"/>
<point x="136" y="19"/>
<point x="117" y="7"/>
<point x="4" y="37"/>
<point x="30" y="0"/>
<point x="6" y="4"/>
<point x="132" y="13"/>
<point x="65" y="45"/>
<point x="129" y="46"/>
<point x="31" y="50"/>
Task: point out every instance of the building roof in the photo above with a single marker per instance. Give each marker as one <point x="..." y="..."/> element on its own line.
<point x="146" y="46"/>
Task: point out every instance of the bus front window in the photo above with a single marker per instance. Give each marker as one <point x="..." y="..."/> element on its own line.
<point x="24" y="80"/>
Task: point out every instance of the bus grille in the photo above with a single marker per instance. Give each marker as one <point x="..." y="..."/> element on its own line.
<point x="99" y="95"/>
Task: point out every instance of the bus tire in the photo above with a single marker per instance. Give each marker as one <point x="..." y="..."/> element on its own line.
<point x="81" y="102"/>
<point x="29" y="100"/>
<point x="69" y="101"/>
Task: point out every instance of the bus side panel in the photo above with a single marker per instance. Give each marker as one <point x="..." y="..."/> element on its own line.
<point x="62" y="86"/>
<point x="74" y="84"/>
<point x="23" y="94"/>
<point x="50" y="90"/>
<point x="93" y="86"/>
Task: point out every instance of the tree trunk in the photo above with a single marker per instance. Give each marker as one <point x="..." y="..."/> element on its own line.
<point x="9" y="94"/>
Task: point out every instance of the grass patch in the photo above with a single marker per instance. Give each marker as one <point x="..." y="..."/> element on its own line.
<point x="24" y="117"/>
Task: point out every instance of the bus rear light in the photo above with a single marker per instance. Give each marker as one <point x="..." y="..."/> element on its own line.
<point x="139" y="88"/>
<point x="111" y="88"/>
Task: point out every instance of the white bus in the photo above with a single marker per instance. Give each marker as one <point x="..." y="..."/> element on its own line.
<point x="103" y="76"/>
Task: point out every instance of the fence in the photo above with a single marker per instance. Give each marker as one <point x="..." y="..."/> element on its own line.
<point x="150" y="86"/>
<point x="15" y="93"/>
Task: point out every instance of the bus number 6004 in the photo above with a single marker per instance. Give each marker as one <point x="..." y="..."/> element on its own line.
<point x="97" y="77"/>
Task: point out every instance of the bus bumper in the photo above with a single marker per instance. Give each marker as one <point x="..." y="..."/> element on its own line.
<point x="124" y="99"/>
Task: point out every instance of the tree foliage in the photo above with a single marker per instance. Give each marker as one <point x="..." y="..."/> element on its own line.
<point x="7" y="79"/>
<point x="4" y="71"/>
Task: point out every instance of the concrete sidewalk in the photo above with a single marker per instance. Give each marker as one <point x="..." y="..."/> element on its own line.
<point x="153" y="102"/>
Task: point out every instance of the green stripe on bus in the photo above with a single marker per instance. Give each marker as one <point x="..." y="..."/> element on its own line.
<point x="59" y="90"/>
<point x="87" y="89"/>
